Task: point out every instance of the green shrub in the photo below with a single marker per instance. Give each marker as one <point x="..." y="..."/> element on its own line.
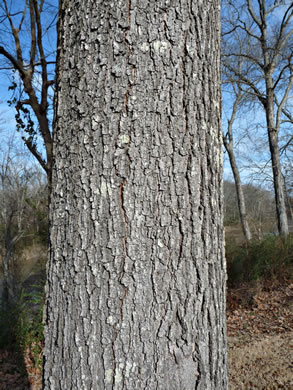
<point x="271" y="257"/>
<point x="29" y="327"/>
<point x="231" y="220"/>
<point x="21" y="325"/>
<point x="8" y="318"/>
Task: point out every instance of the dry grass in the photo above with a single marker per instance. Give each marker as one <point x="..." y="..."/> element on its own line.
<point x="264" y="364"/>
<point x="260" y="341"/>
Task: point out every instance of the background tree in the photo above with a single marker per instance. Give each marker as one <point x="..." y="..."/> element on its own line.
<point x="229" y="146"/>
<point x="259" y="210"/>
<point x="27" y="47"/>
<point x="136" y="276"/>
<point x="20" y="210"/>
<point x="13" y="191"/>
<point x="255" y="33"/>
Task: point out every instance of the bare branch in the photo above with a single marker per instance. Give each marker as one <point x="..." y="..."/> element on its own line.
<point x="44" y="102"/>
<point x="252" y="14"/>
<point x="247" y="30"/>
<point x="14" y="62"/>
<point x="24" y="102"/>
<point x="280" y="75"/>
<point x="284" y="99"/>
<point x="288" y="143"/>
<point x="15" y="33"/>
<point x="23" y="16"/>
<point x="228" y="138"/>
<point x="246" y="81"/>
<point x="33" y="35"/>
<point x="32" y="148"/>
<point x="270" y="10"/>
<point x="244" y="55"/>
<point x="282" y="40"/>
<point x="287" y="115"/>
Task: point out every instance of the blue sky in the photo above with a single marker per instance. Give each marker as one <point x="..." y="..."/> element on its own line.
<point x="16" y="7"/>
<point x="6" y="112"/>
<point x="248" y="120"/>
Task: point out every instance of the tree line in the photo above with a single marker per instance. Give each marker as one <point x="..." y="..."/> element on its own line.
<point x="23" y="215"/>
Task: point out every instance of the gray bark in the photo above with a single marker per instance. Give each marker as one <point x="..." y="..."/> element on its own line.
<point x="136" y="275"/>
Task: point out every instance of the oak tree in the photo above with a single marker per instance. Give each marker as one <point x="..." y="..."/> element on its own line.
<point x="136" y="275"/>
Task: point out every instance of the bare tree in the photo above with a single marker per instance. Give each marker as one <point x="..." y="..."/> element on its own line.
<point x="229" y="146"/>
<point x="257" y="34"/>
<point x="25" y="51"/>
<point x="259" y="208"/>
<point x="14" y="185"/>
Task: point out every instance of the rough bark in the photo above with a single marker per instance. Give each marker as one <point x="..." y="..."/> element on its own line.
<point x="136" y="275"/>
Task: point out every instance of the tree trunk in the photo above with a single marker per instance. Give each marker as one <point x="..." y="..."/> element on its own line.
<point x="288" y="202"/>
<point x="229" y="146"/>
<point x="239" y="192"/>
<point x="279" y="186"/>
<point x="136" y="275"/>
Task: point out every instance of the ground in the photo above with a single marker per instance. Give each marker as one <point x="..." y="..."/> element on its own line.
<point x="260" y="340"/>
<point x="18" y="373"/>
<point x="260" y="337"/>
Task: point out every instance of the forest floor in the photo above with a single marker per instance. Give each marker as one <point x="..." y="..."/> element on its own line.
<point x="18" y="372"/>
<point x="260" y="341"/>
<point x="260" y="336"/>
